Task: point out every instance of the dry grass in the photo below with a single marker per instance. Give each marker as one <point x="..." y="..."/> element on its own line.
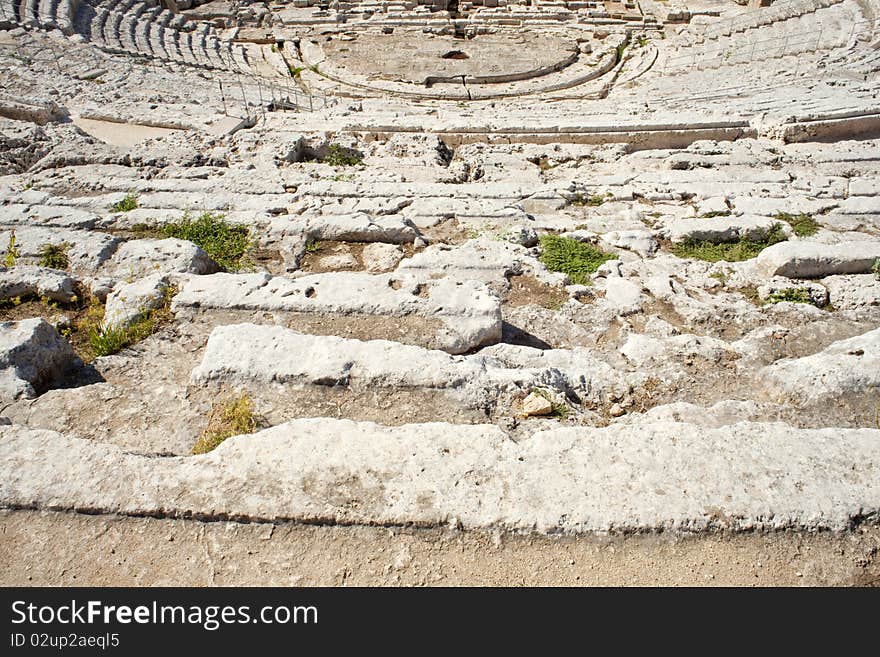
<point x="233" y="417"/>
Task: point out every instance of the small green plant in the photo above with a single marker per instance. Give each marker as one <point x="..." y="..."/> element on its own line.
<point x="225" y="242"/>
<point x="10" y="302"/>
<point x="11" y="251"/>
<point x="111" y="340"/>
<point x="744" y="249"/>
<point x="557" y="410"/>
<point x="722" y="276"/>
<point x="312" y="245"/>
<point x="577" y="259"/>
<point x="875" y="268"/>
<point x="641" y="41"/>
<point x="802" y="224"/>
<point x="145" y="230"/>
<point x="792" y="295"/>
<point x="105" y="341"/>
<point x="337" y="156"/>
<point x="231" y="418"/>
<point x="127" y="204"/>
<point x="296" y="71"/>
<point x="715" y="213"/>
<point x="54" y="256"/>
<point x="594" y="200"/>
<point x="620" y="50"/>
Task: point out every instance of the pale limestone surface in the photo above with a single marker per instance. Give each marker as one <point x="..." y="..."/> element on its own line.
<point x="32" y="356"/>
<point x="411" y="289"/>
<point x="754" y="476"/>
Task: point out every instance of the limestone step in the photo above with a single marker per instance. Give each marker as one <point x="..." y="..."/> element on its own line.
<point x="563" y="480"/>
<point x="438" y="314"/>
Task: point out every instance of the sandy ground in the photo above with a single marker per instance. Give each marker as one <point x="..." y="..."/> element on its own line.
<point x="64" y="549"/>
<point x="121" y="134"/>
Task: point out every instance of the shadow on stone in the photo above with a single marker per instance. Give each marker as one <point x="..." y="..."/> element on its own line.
<point x="511" y="334"/>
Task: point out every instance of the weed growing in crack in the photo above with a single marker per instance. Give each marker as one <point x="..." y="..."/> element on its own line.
<point x="127" y="204"/>
<point x="54" y="256"/>
<point x="230" y="418"/>
<point x="744" y="249"/>
<point x="225" y="242"/>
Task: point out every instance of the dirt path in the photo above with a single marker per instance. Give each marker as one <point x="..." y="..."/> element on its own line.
<point x="50" y="548"/>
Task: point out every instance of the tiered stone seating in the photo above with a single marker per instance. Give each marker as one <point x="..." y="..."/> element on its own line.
<point x="134" y="27"/>
<point x="792" y="29"/>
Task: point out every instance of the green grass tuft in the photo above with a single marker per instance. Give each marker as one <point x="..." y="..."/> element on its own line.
<point x="127" y="204"/>
<point x="791" y="294"/>
<point x="592" y="201"/>
<point x="744" y="249"/>
<point x="231" y="418"/>
<point x="802" y="224"/>
<point x="577" y="259"/>
<point x="106" y="341"/>
<point x="225" y="242"/>
<point x="337" y="156"/>
<point x="54" y="256"/>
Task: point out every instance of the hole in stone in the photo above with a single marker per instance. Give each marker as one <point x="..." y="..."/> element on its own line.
<point x="310" y="292"/>
<point x="454" y="54"/>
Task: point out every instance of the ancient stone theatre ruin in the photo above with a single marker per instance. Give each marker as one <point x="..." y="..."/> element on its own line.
<point x="486" y="284"/>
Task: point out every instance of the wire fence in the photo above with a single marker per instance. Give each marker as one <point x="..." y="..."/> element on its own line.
<point x="242" y="93"/>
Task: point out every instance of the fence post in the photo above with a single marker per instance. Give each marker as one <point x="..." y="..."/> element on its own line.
<point x="244" y="99"/>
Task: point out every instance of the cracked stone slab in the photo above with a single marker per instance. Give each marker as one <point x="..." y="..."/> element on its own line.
<point x="357" y="227"/>
<point x="126" y="303"/>
<point x="754" y="476"/>
<point x="88" y="250"/>
<point x="24" y="280"/>
<point x="483" y="260"/>
<point x="144" y="257"/>
<point x="253" y="355"/>
<point x="32" y="356"/>
<point x="468" y="314"/>
<point x="845" y="366"/>
<point x="816" y="260"/>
